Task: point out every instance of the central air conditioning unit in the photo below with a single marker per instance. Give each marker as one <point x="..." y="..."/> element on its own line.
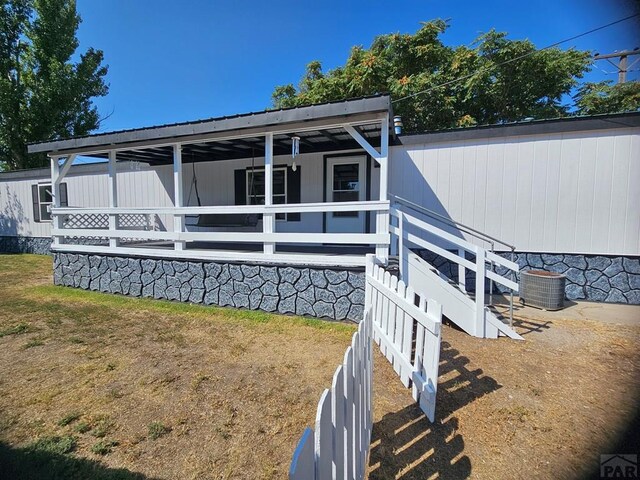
<point x="542" y="289"/>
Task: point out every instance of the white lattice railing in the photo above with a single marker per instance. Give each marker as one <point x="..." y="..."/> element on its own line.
<point x="90" y="223"/>
<point x="85" y="220"/>
<point x="134" y="221"/>
<point x="98" y="224"/>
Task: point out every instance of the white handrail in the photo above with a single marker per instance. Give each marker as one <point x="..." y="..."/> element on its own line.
<point x="492" y="257"/>
<point x="76" y="229"/>
<point x="420" y="242"/>
<point x="367" y="206"/>
<point x="448" y="221"/>
<point x="407" y="238"/>
<point x="234" y="237"/>
<point x="442" y="234"/>
<point x="448" y="237"/>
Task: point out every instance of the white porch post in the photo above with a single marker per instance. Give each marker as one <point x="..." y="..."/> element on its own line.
<point x="382" y="157"/>
<point x="113" y="197"/>
<point x="462" y="272"/>
<point x="402" y="258"/>
<point x="55" y="191"/>
<point x="178" y="199"/>
<point x="268" y="219"/>
<point x="480" y="277"/>
<point x="382" y="218"/>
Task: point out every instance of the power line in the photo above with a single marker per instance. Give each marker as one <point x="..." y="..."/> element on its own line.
<point x="606" y="72"/>
<point x="520" y="57"/>
<point x="622" y="66"/>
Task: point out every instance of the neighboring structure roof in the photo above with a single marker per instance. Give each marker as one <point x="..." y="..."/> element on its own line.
<point x="45" y="172"/>
<point x="531" y="127"/>
<point x="315" y="140"/>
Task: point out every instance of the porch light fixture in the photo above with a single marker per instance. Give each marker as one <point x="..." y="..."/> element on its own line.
<point x="295" y="151"/>
<point x="397" y="124"/>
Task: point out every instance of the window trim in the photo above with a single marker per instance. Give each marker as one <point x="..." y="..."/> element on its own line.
<point x="41" y="203"/>
<point x="368" y="174"/>
<point x="280" y="217"/>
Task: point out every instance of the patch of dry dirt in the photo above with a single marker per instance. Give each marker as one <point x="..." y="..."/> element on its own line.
<point x="234" y="390"/>
<point x="543" y="408"/>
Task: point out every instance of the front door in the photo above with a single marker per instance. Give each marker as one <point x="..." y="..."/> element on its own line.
<point x="346" y="182"/>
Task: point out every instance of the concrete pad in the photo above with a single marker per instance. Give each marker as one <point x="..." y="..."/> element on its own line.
<point x="604" y="312"/>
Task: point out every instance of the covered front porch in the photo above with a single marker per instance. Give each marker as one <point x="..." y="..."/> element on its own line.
<point x="302" y="186"/>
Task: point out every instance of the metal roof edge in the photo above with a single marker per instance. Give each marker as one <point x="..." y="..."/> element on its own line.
<point x="265" y="118"/>
<point x="556" y="125"/>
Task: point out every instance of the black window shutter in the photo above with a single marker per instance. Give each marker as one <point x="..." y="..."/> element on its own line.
<point x="64" y="199"/>
<point x="36" y="204"/>
<point x="240" y="180"/>
<point x="293" y="191"/>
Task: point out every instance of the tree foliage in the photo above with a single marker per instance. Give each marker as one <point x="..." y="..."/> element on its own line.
<point x="602" y="97"/>
<point x="44" y="92"/>
<point x="493" y="80"/>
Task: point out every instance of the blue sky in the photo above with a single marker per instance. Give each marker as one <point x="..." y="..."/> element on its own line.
<point x="172" y="61"/>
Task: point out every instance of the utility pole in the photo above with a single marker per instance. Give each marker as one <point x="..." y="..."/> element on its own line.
<point x="622" y="65"/>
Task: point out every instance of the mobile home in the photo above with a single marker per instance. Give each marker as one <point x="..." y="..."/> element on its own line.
<point x="276" y="210"/>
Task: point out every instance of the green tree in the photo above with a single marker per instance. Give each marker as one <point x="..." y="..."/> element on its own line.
<point x="44" y="93"/>
<point x="493" y="80"/>
<point x="602" y="97"/>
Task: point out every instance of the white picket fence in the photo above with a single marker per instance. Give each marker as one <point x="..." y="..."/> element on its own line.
<point x="339" y="446"/>
<point x="409" y="337"/>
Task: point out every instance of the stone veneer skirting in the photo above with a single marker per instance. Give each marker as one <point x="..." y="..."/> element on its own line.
<point x="598" y="278"/>
<point x="328" y="293"/>
<point x="37" y="245"/>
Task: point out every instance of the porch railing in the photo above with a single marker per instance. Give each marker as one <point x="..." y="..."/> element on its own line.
<point x="66" y="234"/>
<point x="79" y="220"/>
<point x="412" y="233"/>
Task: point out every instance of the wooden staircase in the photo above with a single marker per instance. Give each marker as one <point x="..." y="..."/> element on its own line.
<point x="414" y="230"/>
<point x="457" y="305"/>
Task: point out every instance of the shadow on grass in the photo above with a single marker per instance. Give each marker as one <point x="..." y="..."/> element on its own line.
<point x="30" y="464"/>
<point x="524" y="326"/>
<point x="406" y="445"/>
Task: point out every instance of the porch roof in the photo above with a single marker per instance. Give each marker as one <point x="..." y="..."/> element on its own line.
<point x="237" y="136"/>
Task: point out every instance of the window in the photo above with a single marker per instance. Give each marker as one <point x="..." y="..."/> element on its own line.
<point x="255" y="188"/>
<point x="45" y="199"/>
<point x="248" y="187"/>
<point x="346" y="186"/>
<point x="42" y="197"/>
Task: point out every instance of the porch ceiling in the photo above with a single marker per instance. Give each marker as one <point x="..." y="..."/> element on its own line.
<point x="313" y="141"/>
<point x="239" y="136"/>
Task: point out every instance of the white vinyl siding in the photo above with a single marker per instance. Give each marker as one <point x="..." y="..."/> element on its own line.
<point x="87" y="187"/>
<point x="573" y="192"/>
<point x="143" y="186"/>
